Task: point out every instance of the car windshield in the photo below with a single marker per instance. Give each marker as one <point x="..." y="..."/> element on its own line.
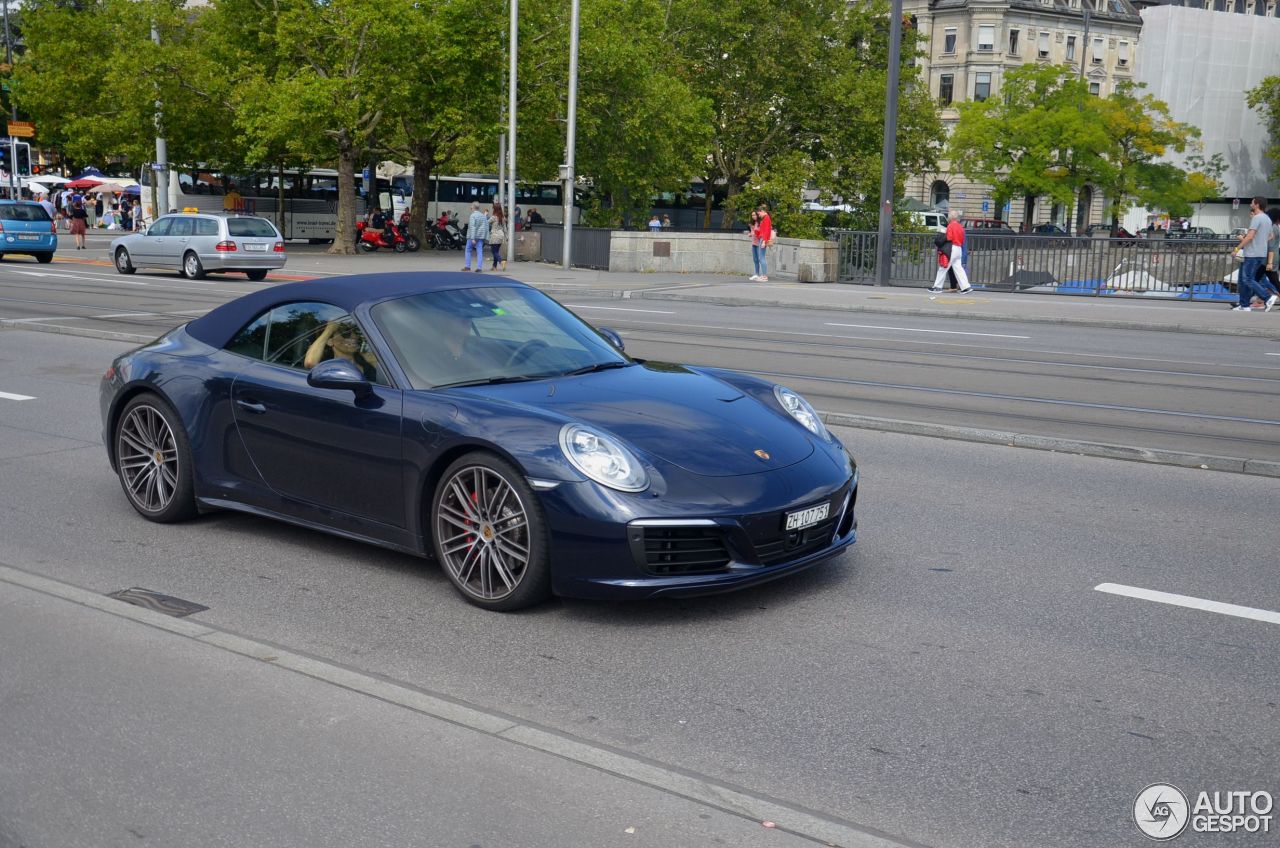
<point x="489" y="334"/>
<point x="250" y="227"/>
<point x="23" y="212"/>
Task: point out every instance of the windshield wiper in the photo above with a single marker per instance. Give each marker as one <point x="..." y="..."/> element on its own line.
<point x="599" y="366"/>
<point x="492" y="381"/>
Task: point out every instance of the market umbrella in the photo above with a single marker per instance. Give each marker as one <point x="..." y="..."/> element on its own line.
<point x="90" y="173"/>
<point x="107" y="188"/>
<point x="52" y="179"/>
<point x="86" y="182"/>
<point x="133" y="189"/>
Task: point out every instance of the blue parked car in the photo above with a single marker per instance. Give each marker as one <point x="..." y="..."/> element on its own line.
<point x="25" y="227"/>
<point x="486" y="426"/>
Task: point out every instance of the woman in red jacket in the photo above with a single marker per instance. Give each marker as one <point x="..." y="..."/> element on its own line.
<point x="761" y="238"/>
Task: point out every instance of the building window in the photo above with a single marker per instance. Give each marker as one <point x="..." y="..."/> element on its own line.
<point x="1239" y="7"/>
<point x="949" y="40"/>
<point x="1260" y="7"/>
<point x="945" y="88"/>
<point x="981" y="87"/>
<point x="1042" y="48"/>
<point x="986" y="38"/>
<point x="1071" y="48"/>
<point x="1122" y="58"/>
<point x="1095" y="89"/>
<point x="941" y="193"/>
<point x="1013" y="42"/>
<point x="1097" y="51"/>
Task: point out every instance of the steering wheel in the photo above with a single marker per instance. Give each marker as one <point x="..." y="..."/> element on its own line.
<point x="524" y="351"/>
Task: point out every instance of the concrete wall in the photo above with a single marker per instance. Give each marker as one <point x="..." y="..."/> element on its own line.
<point x="720" y="253"/>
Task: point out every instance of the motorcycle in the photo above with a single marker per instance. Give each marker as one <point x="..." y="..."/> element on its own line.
<point x="448" y="237"/>
<point x="370" y="239"/>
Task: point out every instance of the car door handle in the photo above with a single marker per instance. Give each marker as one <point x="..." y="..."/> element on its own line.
<point x="251" y="406"/>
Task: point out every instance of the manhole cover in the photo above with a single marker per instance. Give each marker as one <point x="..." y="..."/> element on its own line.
<point x="166" y="604"/>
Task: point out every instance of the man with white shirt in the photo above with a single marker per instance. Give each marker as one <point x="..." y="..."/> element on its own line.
<point x="43" y="200"/>
<point x="1252" y="278"/>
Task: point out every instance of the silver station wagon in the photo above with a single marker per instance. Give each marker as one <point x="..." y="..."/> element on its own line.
<point x="197" y="243"/>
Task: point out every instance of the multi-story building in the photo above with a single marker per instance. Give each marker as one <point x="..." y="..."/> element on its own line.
<point x="971" y="44"/>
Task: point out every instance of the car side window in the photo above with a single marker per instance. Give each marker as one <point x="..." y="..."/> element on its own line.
<point x="161" y="227"/>
<point x="340" y="338"/>
<point x="181" y="227"/>
<point x="206" y="227"/>
<point x="283" y="333"/>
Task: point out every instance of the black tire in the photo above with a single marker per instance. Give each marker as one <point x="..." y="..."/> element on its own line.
<point x="257" y="275"/>
<point x="367" y="247"/>
<point x="412" y="243"/>
<point x="481" y="564"/>
<point x="153" y="460"/>
<point x="192" y="267"/>
<point x="44" y="258"/>
<point x="124" y="264"/>
<point x="400" y="247"/>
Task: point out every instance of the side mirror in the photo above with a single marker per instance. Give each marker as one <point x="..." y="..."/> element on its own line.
<point x="612" y="337"/>
<point x="339" y="374"/>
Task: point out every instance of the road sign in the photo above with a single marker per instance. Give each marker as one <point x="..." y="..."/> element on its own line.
<point x="986" y="206"/>
<point x="25" y="129"/>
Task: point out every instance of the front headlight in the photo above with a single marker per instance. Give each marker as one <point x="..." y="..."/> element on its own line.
<point x="800" y="410"/>
<point x="602" y="458"/>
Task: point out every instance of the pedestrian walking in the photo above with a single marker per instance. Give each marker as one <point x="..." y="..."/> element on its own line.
<point x="1273" y="245"/>
<point x="79" y="223"/>
<point x="477" y="233"/>
<point x="753" y="220"/>
<point x="955" y="256"/>
<point x="43" y="200"/>
<point x="497" y="236"/>
<point x="763" y="230"/>
<point x="1251" y="279"/>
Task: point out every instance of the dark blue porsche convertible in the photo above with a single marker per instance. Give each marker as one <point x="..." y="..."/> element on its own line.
<point x="484" y="424"/>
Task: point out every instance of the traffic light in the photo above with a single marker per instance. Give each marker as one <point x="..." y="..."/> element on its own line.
<point x="24" y="159"/>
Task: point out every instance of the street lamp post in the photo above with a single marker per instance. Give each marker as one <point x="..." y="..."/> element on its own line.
<point x="567" y="177"/>
<point x="13" y="109"/>
<point x="884" y="245"/>
<point x="511" y="131"/>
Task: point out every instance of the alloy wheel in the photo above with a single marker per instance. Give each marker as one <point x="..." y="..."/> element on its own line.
<point x="147" y="454"/>
<point x="483" y="530"/>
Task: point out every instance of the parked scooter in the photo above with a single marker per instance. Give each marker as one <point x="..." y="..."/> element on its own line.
<point x="370" y="239"/>
<point x="445" y="234"/>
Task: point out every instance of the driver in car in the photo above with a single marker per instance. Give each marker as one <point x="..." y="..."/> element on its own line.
<point x="343" y="340"/>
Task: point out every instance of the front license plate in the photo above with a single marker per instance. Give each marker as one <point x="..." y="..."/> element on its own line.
<point x="258" y="247"/>
<point x="807" y="517"/>
<point x="28" y="237"/>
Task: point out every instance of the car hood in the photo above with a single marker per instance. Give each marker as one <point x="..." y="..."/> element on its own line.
<point x="672" y="413"/>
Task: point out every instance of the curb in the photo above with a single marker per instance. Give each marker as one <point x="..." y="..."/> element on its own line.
<point x="1250" y="332"/>
<point x="85" y="332"/>
<point x="1210" y="462"/>
<point x="692" y="787"/>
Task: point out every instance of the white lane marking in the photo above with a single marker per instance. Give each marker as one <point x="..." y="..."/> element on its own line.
<point x="8" y="396"/>
<point x="619" y="309"/>
<point x="1189" y="602"/>
<point x="32" y="273"/>
<point x="1273" y="354"/>
<point x="918" y="330"/>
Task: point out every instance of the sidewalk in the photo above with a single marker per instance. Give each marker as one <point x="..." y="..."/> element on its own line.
<point x="1137" y="313"/>
<point x="123" y="725"/>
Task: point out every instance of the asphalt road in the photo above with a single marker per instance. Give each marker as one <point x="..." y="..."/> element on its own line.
<point x="1193" y="393"/>
<point x="955" y="680"/>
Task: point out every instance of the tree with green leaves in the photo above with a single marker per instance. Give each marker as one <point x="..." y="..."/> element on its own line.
<point x="1265" y="98"/>
<point x="1041" y="137"/>
<point x="1141" y="138"/>
<point x="850" y="129"/>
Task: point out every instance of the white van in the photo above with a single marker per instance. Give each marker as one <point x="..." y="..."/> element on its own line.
<point x="934" y="221"/>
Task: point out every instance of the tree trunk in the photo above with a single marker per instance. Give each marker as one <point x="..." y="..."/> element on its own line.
<point x="730" y="192"/>
<point x="280" y="198"/>
<point x="344" y="234"/>
<point x="424" y="163"/>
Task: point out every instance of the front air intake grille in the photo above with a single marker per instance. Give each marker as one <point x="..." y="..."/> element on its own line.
<point x="684" y="550"/>
<point x="774" y="544"/>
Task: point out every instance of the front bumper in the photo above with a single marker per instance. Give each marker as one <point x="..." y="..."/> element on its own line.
<point x="699" y="554"/>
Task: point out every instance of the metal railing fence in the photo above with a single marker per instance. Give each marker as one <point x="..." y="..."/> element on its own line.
<point x="1181" y="269"/>
<point x="590" y="245"/>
